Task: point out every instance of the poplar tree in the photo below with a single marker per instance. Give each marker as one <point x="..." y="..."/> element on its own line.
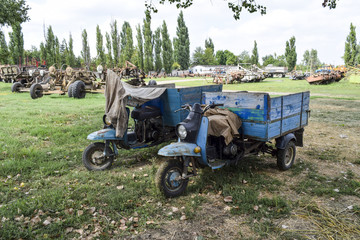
<point x="85" y="52"/>
<point x="50" y="50"/>
<point x="167" y="51"/>
<point x="70" y="58"/>
<point x="157" y="42"/>
<point x="109" y="60"/>
<point x="351" y="49"/>
<point x="290" y="53"/>
<point x="123" y="40"/>
<point x="140" y="48"/>
<point x="64" y="51"/>
<point x="128" y="50"/>
<point x="115" y="37"/>
<point x="148" y="45"/>
<point x="182" y="43"/>
<point x="99" y="46"/>
<point x="4" y="51"/>
<point x="57" y="52"/>
<point x="255" y="55"/>
<point x="16" y="44"/>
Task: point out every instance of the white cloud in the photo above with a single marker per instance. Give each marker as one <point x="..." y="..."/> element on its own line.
<point x="313" y="26"/>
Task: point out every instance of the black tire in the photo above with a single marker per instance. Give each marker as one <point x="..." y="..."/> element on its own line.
<point x="70" y="91"/>
<point x="152" y="82"/>
<point x="16" y="87"/>
<point x="78" y="89"/>
<point x="95" y="152"/>
<point x="286" y="157"/>
<point x="171" y="169"/>
<point x="36" y="91"/>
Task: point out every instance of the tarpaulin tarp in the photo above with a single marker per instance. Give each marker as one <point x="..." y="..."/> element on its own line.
<point x="119" y="94"/>
<point x="223" y="122"/>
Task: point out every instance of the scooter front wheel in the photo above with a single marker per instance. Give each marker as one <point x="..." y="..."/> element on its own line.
<point x="94" y="158"/>
<point x="168" y="178"/>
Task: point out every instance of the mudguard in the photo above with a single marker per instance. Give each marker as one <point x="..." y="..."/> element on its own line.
<point x="282" y="141"/>
<point x="104" y="134"/>
<point x="179" y="149"/>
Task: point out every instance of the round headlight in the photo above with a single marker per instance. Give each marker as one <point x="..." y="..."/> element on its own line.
<point x="106" y="120"/>
<point x="181" y="131"/>
<point x="30" y="73"/>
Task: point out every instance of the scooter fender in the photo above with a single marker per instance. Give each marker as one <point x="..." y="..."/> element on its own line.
<point x="104" y="134"/>
<point x="179" y="149"/>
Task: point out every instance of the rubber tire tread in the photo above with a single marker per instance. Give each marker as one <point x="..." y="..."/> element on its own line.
<point x="160" y="175"/>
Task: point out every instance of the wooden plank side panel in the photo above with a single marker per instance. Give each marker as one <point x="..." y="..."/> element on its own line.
<point x="291" y="105"/>
<point x="249" y="114"/>
<point x="236" y="99"/>
<point x="256" y="131"/>
<point x="291" y="123"/>
<point x="273" y="129"/>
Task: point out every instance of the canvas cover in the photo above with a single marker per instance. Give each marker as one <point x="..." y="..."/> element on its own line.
<point x="223" y="122"/>
<point x="119" y="94"/>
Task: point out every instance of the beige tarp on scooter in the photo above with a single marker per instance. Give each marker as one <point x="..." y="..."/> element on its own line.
<point x="118" y="94"/>
<point x="223" y="122"/>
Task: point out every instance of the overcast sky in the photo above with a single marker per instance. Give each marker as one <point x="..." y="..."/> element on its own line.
<point x="312" y="25"/>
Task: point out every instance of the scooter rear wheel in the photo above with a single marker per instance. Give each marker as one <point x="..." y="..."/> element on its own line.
<point x="94" y="159"/>
<point x="168" y="178"/>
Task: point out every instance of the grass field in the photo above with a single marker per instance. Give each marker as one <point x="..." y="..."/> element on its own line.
<point x="46" y="192"/>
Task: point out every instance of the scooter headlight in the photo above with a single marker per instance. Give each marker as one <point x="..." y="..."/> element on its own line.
<point x="106" y="120"/>
<point x="181" y="131"/>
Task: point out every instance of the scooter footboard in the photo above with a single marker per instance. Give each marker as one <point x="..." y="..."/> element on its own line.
<point x="179" y="149"/>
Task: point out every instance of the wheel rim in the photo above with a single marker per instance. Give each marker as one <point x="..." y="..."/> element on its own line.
<point x="289" y="155"/>
<point x="97" y="158"/>
<point x="173" y="180"/>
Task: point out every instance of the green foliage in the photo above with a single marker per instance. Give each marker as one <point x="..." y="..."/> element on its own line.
<point x="140" y="48"/>
<point x="100" y="47"/>
<point x="115" y="38"/>
<point x="85" y="52"/>
<point x="255" y="55"/>
<point x="311" y="60"/>
<point x="13" y="12"/>
<point x="4" y="51"/>
<point x="157" y="43"/>
<point x="109" y="59"/>
<point x="244" y="57"/>
<point x="176" y="66"/>
<point x="209" y="44"/>
<point x="351" y="48"/>
<point x="220" y="57"/>
<point x="167" y="50"/>
<point x="148" y="45"/>
<point x="231" y="59"/>
<point x="236" y="7"/>
<point x="128" y="51"/>
<point x="70" y="57"/>
<point x="290" y="54"/>
<point x="182" y="43"/>
<point x="16" y="44"/>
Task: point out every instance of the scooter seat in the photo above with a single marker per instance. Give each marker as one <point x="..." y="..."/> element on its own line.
<point x="147" y="112"/>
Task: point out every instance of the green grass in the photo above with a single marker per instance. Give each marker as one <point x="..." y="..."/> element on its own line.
<point x="42" y="175"/>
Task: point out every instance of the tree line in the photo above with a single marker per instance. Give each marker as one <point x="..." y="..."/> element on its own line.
<point x="153" y="51"/>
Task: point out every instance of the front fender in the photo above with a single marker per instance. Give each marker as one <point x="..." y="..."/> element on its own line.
<point x="104" y="134"/>
<point x="179" y="149"/>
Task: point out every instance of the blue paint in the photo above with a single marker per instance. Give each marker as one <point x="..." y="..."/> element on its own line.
<point x="263" y="117"/>
<point x="179" y="149"/>
<point x="104" y="134"/>
<point x="202" y="139"/>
